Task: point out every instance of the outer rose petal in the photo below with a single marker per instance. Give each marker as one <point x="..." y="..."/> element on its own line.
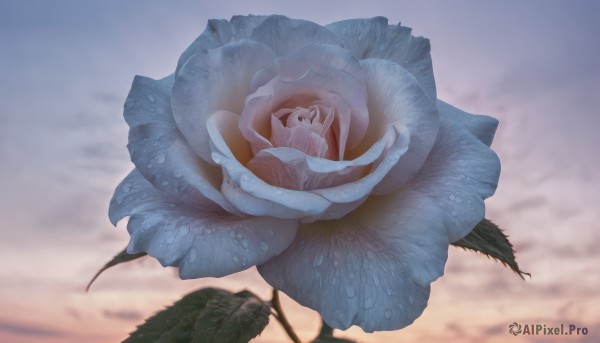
<point x="219" y="32"/>
<point x="212" y="80"/>
<point x="459" y="174"/>
<point x="374" y="38"/>
<point x="480" y="126"/>
<point x="199" y="242"/>
<point x="371" y="268"/>
<point x="285" y="35"/>
<point x="168" y="162"/>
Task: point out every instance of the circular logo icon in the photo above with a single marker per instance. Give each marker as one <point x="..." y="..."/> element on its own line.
<point x="514" y="328"/>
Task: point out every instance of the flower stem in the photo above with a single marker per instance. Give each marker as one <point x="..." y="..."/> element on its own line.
<point x="282" y="319"/>
<point x="326" y="330"/>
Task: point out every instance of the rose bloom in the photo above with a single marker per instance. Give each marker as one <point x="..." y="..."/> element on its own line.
<point x="320" y="154"/>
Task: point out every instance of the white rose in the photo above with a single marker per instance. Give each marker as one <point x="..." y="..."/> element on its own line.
<point x="318" y="153"/>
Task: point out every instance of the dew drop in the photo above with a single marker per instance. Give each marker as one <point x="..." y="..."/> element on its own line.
<point x="318" y="260"/>
<point x="388" y="314"/>
<point x="389" y="292"/>
<point x="411" y="300"/>
<point x="149" y="165"/>
<point x="451" y="197"/>
<point x="245" y="243"/>
<point x="375" y="279"/>
<point x="126" y="188"/>
<point x="368" y="303"/>
<point x="161" y="158"/>
<point x="151" y="98"/>
<point x="350" y="292"/>
<point x="170" y="238"/>
<point x="264" y="246"/>
<point x="235" y="258"/>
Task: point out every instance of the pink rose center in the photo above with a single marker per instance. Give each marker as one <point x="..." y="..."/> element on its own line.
<point x="306" y="129"/>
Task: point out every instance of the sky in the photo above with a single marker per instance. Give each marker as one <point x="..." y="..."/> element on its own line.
<point x="66" y="68"/>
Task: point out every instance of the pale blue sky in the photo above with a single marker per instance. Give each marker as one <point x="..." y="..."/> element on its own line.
<point x="66" y="67"/>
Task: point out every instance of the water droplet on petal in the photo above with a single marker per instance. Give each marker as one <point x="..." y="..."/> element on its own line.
<point x="368" y="303"/>
<point x="170" y="237"/>
<point x="161" y="158"/>
<point x="388" y="314"/>
<point x="264" y="246"/>
<point x="151" y="98"/>
<point x="411" y="300"/>
<point x="235" y="258"/>
<point x="451" y="197"/>
<point x="388" y="291"/>
<point x="126" y="188"/>
<point x="350" y="292"/>
<point x="318" y="260"/>
<point x="245" y="243"/>
<point x="375" y="279"/>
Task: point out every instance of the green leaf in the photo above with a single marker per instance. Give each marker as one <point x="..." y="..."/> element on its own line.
<point x="206" y="315"/>
<point x="237" y="318"/>
<point x="121" y="257"/>
<point x="488" y="239"/>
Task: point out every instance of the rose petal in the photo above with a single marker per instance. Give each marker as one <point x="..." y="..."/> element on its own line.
<point x="292" y="169"/>
<point x="374" y="38"/>
<point x="199" y="242"/>
<point x="219" y="32"/>
<point x="458" y="175"/>
<point x="481" y="126"/>
<point x="160" y="152"/>
<point x="211" y="80"/>
<point x="395" y="96"/>
<point x="245" y="190"/>
<point x="371" y="268"/>
<point x="285" y="35"/>
<point x="296" y="64"/>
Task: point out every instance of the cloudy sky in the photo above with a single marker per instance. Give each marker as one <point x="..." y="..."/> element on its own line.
<point x="65" y="70"/>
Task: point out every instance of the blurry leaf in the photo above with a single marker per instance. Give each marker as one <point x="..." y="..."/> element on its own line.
<point x="488" y="239"/>
<point x="235" y="318"/>
<point x="207" y="315"/>
<point x="121" y="257"/>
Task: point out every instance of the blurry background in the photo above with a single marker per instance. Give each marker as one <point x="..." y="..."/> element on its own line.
<point x="65" y="70"/>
